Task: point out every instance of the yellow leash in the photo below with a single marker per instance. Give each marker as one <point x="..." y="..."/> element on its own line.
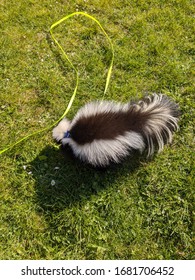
<point x="77" y="76"/>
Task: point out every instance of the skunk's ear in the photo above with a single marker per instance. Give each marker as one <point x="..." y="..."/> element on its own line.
<point x="61" y="129"/>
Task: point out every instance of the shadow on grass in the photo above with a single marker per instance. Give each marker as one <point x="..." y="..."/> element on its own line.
<point x="62" y="181"/>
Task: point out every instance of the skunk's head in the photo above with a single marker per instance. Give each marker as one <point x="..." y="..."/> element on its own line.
<point x="61" y="131"/>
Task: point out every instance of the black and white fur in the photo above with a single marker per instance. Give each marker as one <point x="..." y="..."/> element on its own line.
<point x="104" y="131"/>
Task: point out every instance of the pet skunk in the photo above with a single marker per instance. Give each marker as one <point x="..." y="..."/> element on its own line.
<point x="103" y="132"/>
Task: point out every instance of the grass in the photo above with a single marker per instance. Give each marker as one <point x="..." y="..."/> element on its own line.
<point x="54" y="207"/>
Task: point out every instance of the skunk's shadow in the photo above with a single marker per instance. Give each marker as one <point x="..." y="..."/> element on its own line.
<point x="61" y="180"/>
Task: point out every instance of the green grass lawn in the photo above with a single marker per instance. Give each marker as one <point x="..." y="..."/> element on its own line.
<point x="54" y="207"/>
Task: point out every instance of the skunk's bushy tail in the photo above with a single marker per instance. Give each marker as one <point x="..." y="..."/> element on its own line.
<point x="159" y="119"/>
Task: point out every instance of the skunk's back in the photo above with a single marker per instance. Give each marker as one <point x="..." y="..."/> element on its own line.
<point x="105" y="131"/>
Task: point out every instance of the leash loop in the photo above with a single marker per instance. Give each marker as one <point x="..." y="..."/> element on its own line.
<point x="77" y="75"/>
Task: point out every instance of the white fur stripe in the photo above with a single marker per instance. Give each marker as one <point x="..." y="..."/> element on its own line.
<point x="101" y="152"/>
<point x="98" y="107"/>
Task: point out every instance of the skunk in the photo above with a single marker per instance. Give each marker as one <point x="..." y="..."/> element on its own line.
<point x="103" y="132"/>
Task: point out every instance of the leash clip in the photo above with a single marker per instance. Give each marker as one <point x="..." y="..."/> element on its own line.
<point x="67" y="134"/>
